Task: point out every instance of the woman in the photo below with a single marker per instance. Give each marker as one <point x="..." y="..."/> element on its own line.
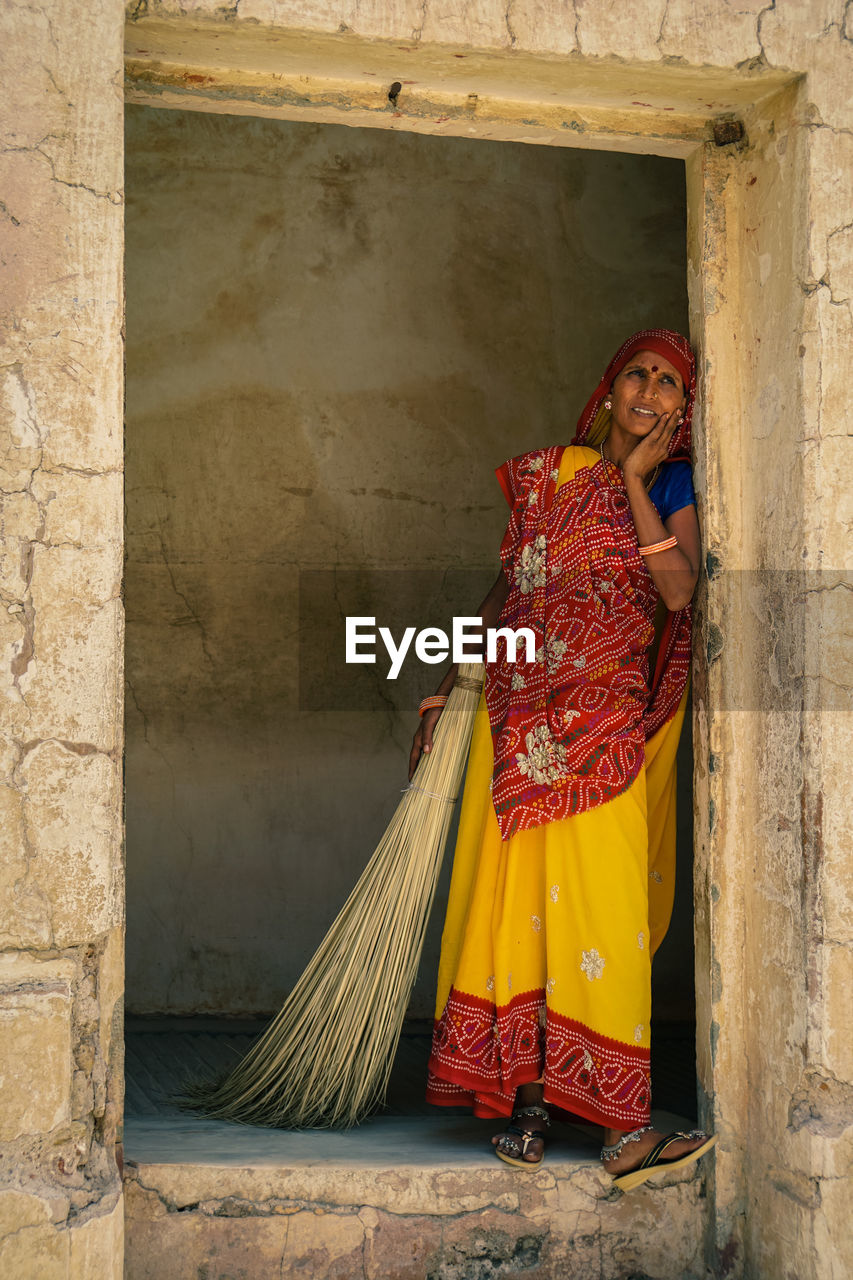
<point x="564" y="868"/>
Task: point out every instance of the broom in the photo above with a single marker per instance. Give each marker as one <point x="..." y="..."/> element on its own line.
<point x="325" y="1061"/>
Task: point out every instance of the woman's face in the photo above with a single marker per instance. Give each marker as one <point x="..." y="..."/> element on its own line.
<point x="645" y="388"/>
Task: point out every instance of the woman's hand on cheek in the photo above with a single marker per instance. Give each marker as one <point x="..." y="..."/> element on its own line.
<point x="653" y="448"/>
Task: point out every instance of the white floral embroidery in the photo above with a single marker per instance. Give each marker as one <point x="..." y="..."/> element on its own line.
<point x="593" y="964"/>
<point x="580" y="661"/>
<point x="570" y="715"/>
<point x="550" y="985"/>
<point x="638" y="1032"/>
<point x="555" y="474"/>
<point x="535" y="923"/>
<point x="490" y="982"/>
<point x="553" y="649"/>
<point x="656" y="876"/>
<point x="544" y="756"/>
<point x="529" y="569"/>
<point x="587" y="1060"/>
<point x="533" y="497"/>
<point x="517" y="681"/>
<point x="536" y="464"/>
<point x="555" y="892"/>
<point x="641" y="939"/>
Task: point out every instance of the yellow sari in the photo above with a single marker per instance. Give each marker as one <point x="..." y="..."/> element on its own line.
<point x="546" y="953"/>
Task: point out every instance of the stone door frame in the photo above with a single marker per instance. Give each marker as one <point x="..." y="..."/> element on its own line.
<point x="745" y="149"/>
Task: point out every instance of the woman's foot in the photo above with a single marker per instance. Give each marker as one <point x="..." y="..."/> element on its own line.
<point x="523" y="1140"/>
<point x="631" y="1157"/>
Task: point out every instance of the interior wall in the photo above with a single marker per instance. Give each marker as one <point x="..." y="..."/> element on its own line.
<point x="333" y="336"/>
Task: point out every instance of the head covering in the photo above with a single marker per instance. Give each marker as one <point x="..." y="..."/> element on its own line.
<point x="594" y="422"/>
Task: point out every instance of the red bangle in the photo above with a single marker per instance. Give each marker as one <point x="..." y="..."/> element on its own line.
<point x="437" y="700"/>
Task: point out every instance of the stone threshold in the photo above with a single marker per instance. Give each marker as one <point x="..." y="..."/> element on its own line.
<point x="403" y="1196"/>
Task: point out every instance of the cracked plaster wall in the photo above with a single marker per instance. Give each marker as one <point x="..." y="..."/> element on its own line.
<point x="770" y="303"/>
<point x="61" y="243"/>
<point x="61" y="877"/>
<point x="334" y="335"/>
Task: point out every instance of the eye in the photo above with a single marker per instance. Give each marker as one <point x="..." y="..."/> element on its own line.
<point x="667" y="377"/>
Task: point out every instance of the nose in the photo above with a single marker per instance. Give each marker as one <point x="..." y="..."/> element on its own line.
<point x="650" y="389"/>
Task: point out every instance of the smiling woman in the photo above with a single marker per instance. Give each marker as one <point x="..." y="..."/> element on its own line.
<point x="647" y="403"/>
<point x="562" y="880"/>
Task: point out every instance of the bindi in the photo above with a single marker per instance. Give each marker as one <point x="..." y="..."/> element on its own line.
<point x="654" y="368"/>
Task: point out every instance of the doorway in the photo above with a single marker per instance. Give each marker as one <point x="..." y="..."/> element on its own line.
<point x="334" y="336"/>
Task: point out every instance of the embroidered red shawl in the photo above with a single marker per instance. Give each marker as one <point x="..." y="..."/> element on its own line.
<point x="569" y="730"/>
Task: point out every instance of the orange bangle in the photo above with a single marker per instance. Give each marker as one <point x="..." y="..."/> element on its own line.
<point x="437" y="700"/>
<point x="654" y="547"/>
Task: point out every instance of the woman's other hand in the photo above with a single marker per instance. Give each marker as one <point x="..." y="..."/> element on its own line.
<point x="422" y="741"/>
<point x="489" y="612"/>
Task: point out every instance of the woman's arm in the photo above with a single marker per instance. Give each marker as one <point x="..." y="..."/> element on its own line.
<point x="490" y="612"/>
<point x="674" y="572"/>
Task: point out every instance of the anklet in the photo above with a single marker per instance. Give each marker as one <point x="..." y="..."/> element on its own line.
<point x="538" y="1113"/>
<point x="610" y="1153"/>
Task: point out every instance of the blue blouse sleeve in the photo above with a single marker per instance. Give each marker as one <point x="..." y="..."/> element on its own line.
<point x="673" y="489"/>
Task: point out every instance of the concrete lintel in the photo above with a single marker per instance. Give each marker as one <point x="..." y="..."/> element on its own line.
<point x="502" y="95"/>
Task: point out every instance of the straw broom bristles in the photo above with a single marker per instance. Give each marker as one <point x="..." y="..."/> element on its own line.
<point x="325" y="1060"/>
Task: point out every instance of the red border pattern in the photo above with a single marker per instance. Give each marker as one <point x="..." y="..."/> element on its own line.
<point x="482" y="1053"/>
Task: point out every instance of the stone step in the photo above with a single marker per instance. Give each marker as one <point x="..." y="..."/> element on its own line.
<point x="408" y="1197"/>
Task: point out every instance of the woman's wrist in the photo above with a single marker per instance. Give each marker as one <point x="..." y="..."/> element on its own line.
<point x="447" y="683"/>
<point x="435" y="701"/>
<point x="635" y="478"/>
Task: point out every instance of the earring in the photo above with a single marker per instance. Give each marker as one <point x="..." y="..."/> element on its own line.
<point x="607" y="404"/>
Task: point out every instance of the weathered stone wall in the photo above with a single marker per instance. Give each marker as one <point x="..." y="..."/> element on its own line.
<point x="61" y="966"/>
<point x="334" y="336"/>
<point x="770" y="288"/>
<point x="771" y="233"/>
